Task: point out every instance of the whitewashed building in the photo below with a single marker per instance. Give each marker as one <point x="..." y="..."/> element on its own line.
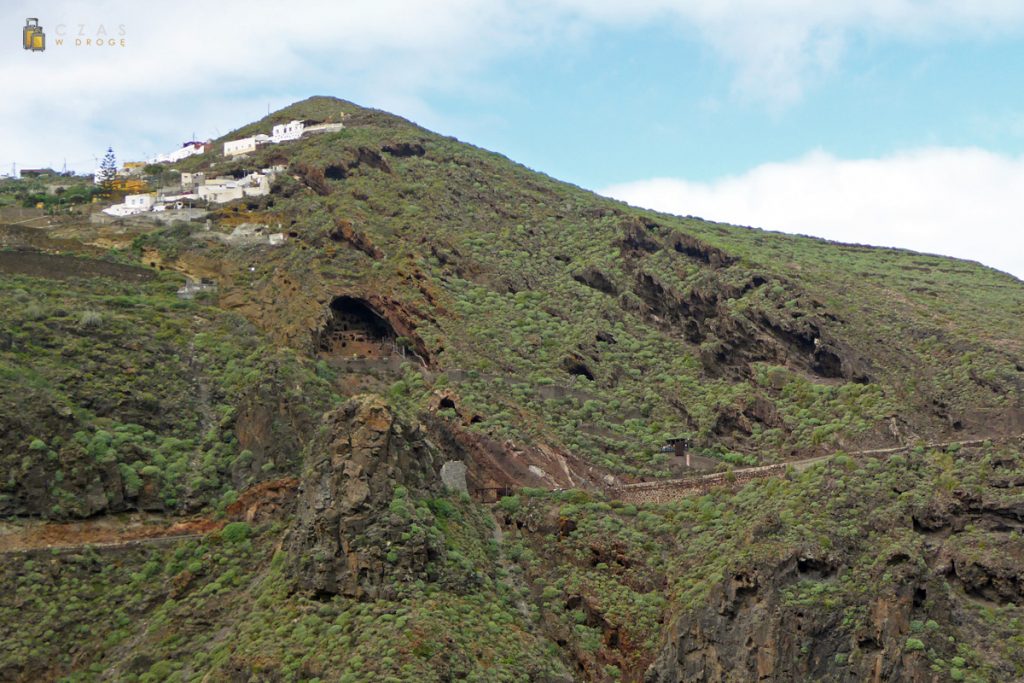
<point x="287" y="131"/>
<point x="245" y="145"/>
<point x="185" y="151"/>
<point x="220" y="190"/>
<point x="324" y="128"/>
<point x="140" y="202"/>
<point x="133" y="204"/>
<point x="255" y="185"/>
<point x="282" y="132"/>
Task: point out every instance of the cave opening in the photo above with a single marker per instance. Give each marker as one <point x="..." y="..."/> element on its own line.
<point x="356" y="329"/>
<point x="579" y="370"/>
<point x="336" y="172"/>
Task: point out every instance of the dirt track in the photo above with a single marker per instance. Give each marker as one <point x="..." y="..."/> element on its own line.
<point x="671" y="489"/>
<point x="107" y="531"/>
<point x="263" y="500"/>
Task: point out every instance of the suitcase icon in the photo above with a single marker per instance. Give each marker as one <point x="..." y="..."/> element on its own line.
<point x="32" y="36"/>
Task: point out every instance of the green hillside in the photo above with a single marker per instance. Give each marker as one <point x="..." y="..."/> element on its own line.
<point x="435" y="302"/>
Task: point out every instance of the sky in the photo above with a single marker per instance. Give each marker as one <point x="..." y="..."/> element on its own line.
<point x="889" y="122"/>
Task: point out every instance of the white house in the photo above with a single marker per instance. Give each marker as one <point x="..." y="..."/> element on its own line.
<point x="245" y="145"/>
<point x="255" y="185"/>
<point x="119" y="210"/>
<point x="185" y="151"/>
<point x="236" y="147"/>
<point x="139" y="202"/>
<point x="220" y="190"/>
<point x="287" y="131"/>
<point x="133" y="204"/>
<point x="183" y="197"/>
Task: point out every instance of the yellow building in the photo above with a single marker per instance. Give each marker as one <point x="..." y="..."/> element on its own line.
<point x="132" y="185"/>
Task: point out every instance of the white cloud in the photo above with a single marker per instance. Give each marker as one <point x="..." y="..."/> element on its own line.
<point x="961" y="202"/>
<point x="778" y="46"/>
<point x="203" y="66"/>
<point x="209" y="66"/>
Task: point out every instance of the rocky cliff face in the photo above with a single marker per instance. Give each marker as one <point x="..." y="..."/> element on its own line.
<point x="361" y="469"/>
<point x="752" y="628"/>
<point x="747" y="633"/>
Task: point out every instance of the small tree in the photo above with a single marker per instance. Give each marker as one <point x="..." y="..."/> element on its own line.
<point x="108" y="171"/>
<point x="154" y="173"/>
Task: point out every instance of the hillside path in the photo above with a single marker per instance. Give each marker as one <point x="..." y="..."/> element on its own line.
<point x="666" y="490"/>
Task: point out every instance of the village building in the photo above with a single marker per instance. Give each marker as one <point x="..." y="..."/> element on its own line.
<point x="245" y="145"/>
<point x="133" y="204"/>
<point x="324" y="128"/>
<point x="189" y="181"/>
<point x="287" y="131"/>
<point x="220" y="190"/>
<point x="255" y="185"/>
<point x="186" y="150"/>
<point x="282" y="132"/>
<point x="132" y="168"/>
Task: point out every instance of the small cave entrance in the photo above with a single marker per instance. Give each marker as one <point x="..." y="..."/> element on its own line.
<point x="356" y="329"/>
<point x="578" y="368"/>
<point x="336" y="171"/>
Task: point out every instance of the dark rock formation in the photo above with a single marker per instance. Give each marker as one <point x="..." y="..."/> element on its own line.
<point x="404" y="149"/>
<point x="360" y="461"/>
<point x="637" y="238"/>
<point x="695" y="249"/>
<point x="595" y="279"/>
<point x="748" y="633"/>
<point x="344" y="232"/>
<point x="730" y="342"/>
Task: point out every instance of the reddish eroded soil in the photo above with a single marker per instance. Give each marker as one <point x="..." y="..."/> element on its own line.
<point x="113" y="529"/>
<point x="260" y="502"/>
<point x="264" y="500"/>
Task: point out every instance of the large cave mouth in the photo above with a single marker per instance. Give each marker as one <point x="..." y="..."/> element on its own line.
<point x="355" y="328"/>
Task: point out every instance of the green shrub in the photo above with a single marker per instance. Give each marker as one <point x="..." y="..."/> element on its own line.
<point x="90" y="320"/>
<point x="235" y="532"/>
<point x="509" y="504"/>
<point x="913" y="645"/>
